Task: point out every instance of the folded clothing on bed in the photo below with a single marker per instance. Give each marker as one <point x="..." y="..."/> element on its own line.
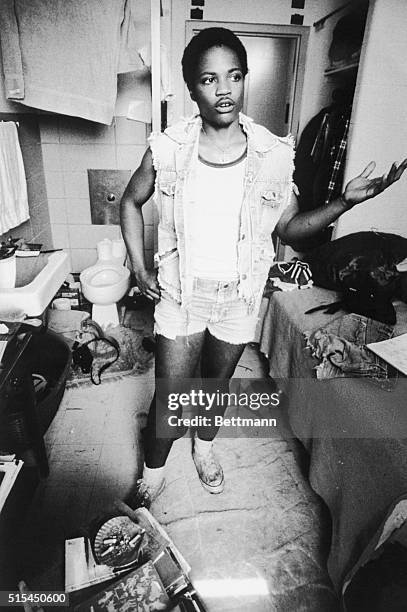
<point x="341" y="348"/>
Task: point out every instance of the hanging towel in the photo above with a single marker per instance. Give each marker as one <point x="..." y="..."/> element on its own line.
<point x="135" y="27"/>
<point x="139" y="108"/>
<point x="13" y="187"/>
<point x="62" y="56"/>
<point x="145" y="56"/>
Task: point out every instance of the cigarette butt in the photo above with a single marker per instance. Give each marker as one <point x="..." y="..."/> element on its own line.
<point x="136" y="538"/>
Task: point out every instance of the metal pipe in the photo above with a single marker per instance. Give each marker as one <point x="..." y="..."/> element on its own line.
<point x="155" y="65"/>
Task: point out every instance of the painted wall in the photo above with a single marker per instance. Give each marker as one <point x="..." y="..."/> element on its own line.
<point x="379" y="119"/>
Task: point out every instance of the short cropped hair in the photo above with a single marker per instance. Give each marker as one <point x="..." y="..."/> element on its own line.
<point x="206" y="39"/>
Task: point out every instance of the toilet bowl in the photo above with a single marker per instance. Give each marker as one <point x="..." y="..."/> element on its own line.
<point x="104" y="284"/>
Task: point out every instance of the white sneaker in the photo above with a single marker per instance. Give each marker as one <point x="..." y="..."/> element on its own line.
<point x="143" y="495"/>
<point x="209" y="470"/>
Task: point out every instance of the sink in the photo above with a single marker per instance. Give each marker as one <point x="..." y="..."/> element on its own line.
<point x="37" y="281"/>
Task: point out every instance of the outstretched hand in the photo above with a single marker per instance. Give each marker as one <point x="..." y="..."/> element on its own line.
<point x="362" y="187"/>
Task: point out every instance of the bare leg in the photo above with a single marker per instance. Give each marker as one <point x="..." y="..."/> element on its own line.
<point x="175" y="359"/>
<point x="218" y="363"/>
<point x="219" y="360"/>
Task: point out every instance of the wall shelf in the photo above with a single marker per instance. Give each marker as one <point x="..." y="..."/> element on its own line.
<point x="343" y="68"/>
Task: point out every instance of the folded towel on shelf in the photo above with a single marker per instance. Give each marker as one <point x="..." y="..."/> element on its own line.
<point x="63" y="56"/>
<point x="13" y="186"/>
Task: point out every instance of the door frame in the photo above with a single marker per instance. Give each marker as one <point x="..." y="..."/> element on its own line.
<point x="299" y="33"/>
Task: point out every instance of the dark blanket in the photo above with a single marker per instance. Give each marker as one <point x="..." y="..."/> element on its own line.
<point x="362" y="266"/>
<point x="355" y="432"/>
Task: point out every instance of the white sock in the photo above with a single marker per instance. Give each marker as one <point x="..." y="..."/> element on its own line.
<point x="153" y="477"/>
<point x="202" y="446"/>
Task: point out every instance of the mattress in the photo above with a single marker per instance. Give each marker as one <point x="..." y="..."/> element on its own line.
<point x="355" y="432"/>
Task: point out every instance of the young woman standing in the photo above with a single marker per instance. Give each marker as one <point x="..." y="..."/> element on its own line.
<point x="222" y="184"/>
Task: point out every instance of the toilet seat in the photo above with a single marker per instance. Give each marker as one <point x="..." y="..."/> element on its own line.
<point x="104" y="284"/>
<point x="104" y="275"/>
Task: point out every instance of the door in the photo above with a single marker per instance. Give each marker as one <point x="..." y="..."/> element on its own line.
<point x="269" y="82"/>
<point x="276" y="60"/>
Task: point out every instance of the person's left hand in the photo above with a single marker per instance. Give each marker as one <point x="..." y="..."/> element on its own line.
<point x="362" y="187"/>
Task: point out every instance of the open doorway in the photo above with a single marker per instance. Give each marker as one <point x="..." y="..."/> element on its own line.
<point x="276" y="59"/>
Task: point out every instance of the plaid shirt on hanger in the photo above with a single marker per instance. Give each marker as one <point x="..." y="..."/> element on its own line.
<point x="338" y="165"/>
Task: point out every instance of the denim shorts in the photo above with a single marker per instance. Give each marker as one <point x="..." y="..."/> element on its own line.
<point x="215" y="306"/>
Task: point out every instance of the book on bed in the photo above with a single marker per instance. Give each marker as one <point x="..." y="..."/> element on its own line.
<point x="394" y="351"/>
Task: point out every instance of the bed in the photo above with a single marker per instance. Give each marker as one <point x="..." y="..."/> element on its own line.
<point x="354" y="431"/>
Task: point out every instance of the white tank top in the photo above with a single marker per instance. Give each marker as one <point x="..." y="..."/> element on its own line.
<point x="215" y="219"/>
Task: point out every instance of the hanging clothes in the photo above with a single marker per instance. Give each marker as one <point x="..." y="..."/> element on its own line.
<point x="320" y="161"/>
<point x="13" y="187"/>
<point x="63" y="56"/>
<point x="337" y="154"/>
<point x="320" y="157"/>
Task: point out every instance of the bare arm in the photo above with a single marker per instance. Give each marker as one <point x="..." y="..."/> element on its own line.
<point x="294" y="226"/>
<point x="137" y="192"/>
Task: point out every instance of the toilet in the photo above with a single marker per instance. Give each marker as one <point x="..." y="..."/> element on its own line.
<point x="106" y="282"/>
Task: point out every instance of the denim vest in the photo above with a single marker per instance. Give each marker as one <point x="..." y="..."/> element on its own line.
<point x="266" y="192"/>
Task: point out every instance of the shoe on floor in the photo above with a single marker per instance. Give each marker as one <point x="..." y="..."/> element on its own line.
<point x="143" y="495"/>
<point x="209" y="470"/>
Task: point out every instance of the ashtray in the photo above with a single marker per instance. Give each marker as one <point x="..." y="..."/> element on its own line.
<point x="117" y="542"/>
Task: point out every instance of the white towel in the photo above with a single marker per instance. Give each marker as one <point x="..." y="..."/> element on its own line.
<point x="139" y="108"/>
<point x="135" y="27"/>
<point x="62" y="56"/>
<point x="13" y="186"/>
<point x="165" y="72"/>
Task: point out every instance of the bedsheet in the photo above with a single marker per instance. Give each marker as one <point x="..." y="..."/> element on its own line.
<point x="354" y="431"/>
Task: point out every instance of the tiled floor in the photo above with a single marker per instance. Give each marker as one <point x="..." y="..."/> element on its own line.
<point x="257" y="547"/>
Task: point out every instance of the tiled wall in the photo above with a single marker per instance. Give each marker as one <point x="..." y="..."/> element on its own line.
<point x="70" y="147"/>
<point x="37" y="228"/>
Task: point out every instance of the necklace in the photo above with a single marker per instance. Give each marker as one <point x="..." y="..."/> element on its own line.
<point x="225" y="151"/>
